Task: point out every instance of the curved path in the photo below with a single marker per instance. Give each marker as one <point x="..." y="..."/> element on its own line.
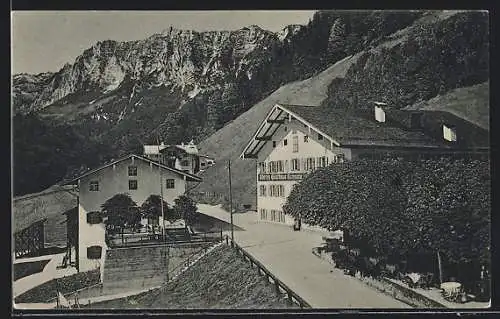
<point x="288" y="255"/>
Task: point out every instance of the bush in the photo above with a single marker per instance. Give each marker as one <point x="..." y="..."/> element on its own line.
<point x="402" y="207"/>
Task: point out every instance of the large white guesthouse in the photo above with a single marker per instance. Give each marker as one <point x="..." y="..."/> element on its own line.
<point x="294" y="140"/>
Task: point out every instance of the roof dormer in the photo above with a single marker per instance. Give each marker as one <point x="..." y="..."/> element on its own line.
<point x="449" y="133"/>
<point x="379" y="111"/>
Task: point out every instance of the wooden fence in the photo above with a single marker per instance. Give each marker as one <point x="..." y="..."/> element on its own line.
<point x="261" y="269"/>
<point x="30" y="242"/>
<point x="141" y="239"/>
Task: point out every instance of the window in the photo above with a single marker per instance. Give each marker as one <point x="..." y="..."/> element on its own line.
<point x="285" y="142"/>
<point x="276" y="190"/>
<point x="281" y="217"/>
<point x="310" y="164"/>
<point x="322" y="161"/>
<point x="280" y="166"/>
<point x="286" y="165"/>
<point x="262" y="189"/>
<point x="276" y="166"/>
<point x="262" y="167"/>
<point x="94" y="218"/>
<point x="170" y="183"/>
<point x="132" y="171"/>
<point x="94" y="252"/>
<point x="295" y="164"/>
<point x="286" y="128"/>
<point x="320" y="137"/>
<point x="263" y="213"/>
<point x="273" y="215"/>
<point x="294" y="132"/>
<point x="94" y="186"/>
<point x="274" y="143"/>
<point x="306" y="139"/>
<point x="295" y="146"/>
<point x="185" y="162"/>
<point x="132" y="184"/>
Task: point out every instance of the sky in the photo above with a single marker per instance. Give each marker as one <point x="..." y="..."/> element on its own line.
<point x="44" y="41"/>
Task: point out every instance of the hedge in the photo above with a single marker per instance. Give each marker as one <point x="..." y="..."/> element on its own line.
<point x="400" y="207"/>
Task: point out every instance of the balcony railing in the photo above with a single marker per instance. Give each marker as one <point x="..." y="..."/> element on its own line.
<point x="282" y="177"/>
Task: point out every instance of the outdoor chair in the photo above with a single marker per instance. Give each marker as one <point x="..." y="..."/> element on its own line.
<point x="426" y="280"/>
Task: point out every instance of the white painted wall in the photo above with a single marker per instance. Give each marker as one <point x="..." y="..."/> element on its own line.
<point x="114" y="180"/>
<point x="313" y="148"/>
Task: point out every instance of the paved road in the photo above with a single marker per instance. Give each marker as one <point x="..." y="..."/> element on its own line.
<point x="287" y="254"/>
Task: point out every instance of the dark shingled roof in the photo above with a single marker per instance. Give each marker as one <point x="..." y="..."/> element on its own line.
<point x="358" y="127"/>
<point x="49" y="205"/>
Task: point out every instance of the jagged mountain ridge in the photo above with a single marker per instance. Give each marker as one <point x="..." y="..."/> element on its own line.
<point x="175" y="86"/>
<point x="181" y="59"/>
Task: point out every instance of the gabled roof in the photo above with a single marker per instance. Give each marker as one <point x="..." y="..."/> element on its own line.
<point x="153" y="149"/>
<point x="45" y="205"/>
<point x="189" y="177"/>
<point x="358" y="128"/>
<point x="184" y="148"/>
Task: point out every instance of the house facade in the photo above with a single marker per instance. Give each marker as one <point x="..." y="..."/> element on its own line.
<point x="135" y="175"/>
<point x="184" y="157"/>
<point x="293" y="141"/>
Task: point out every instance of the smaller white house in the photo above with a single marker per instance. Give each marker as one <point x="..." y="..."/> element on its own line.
<point x="135" y="175"/>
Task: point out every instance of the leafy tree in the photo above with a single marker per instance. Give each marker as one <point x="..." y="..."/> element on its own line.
<point x="336" y="41"/>
<point x="120" y="212"/>
<point x="401" y="207"/>
<point x="186" y="209"/>
<point x="151" y="208"/>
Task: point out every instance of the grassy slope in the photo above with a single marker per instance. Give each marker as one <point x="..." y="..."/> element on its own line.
<point x="221" y="279"/>
<point x="470" y="103"/>
<point x="228" y="142"/>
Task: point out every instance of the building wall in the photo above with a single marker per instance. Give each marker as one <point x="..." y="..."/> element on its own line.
<point x="191" y="161"/>
<point x="312" y="148"/>
<point x="114" y="180"/>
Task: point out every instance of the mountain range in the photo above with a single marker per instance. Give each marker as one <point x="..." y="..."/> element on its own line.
<point x="179" y="85"/>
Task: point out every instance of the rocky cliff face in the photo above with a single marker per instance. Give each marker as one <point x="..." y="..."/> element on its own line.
<point x="176" y="85"/>
<point x="187" y="61"/>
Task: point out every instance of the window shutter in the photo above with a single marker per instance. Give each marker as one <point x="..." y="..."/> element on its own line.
<point x="94" y="252"/>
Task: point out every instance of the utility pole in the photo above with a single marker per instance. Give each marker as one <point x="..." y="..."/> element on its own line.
<point x="231" y="203"/>
<point x="440" y="268"/>
<point x="164" y="238"/>
<point x="161" y="189"/>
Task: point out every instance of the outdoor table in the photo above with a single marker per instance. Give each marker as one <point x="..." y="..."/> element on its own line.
<point x="451" y="286"/>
